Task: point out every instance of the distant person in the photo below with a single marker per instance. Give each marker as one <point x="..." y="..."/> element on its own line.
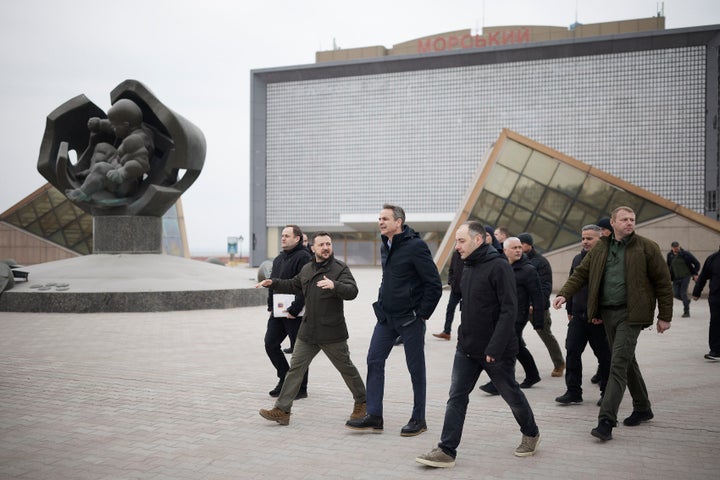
<point x="454" y="278"/>
<point x="491" y="240"/>
<point x="409" y="292"/>
<point x="486" y="341"/>
<point x="286" y="323"/>
<point x="502" y="234"/>
<point x="545" y="271"/>
<point x="683" y="265"/>
<point x="711" y="272"/>
<point x="605" y="226"/>
<point x="325" y="283"/>
<point x="528" y="288"/>
<point x="626" y="276"/>
<point x="582" y="330"/>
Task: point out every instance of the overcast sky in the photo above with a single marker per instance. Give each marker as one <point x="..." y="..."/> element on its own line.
<point x="196" y="57"/>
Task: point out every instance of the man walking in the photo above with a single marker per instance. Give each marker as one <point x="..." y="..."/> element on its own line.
<point x="682" y="265"/>
<point x="581" y="331"/>
<point x="454" y="278"/>
<point x="325" y="283"/>
<point x="285" y="266"/>
<point x="711" y="271"/>
<point x="486" y="341"/>
<point x="626" y="276"/>
<point x="409" y="292"/>
<point x="545" y="271"/>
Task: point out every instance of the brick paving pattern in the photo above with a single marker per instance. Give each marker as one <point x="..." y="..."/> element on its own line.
<point x="176" y="396"/>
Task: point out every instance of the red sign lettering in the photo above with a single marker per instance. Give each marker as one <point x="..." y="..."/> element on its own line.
<point x="452" y="42"/>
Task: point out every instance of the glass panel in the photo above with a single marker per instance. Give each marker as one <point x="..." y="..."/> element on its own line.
<point x="50" y="225"/>
<point x="543" y="232"/>
<point x="26" y="215"/>
<point x="514" y="155"/>
<point x="58" y="238"/>
<point x="527" y="193"/>
<point x="84" y="248"/>
<point x="555" y="205"/>
<point x="487" y="208"/>
<point x="73" y="233"/>
<point x="540" y="167"/>
<point x="622" y="198"/>
<point x="595" y="192"/>
<point x="56" y="198"/>
<point x="564" y="238"/>
<point x="65" y="213"/>
<point x="580" y="215"/>
<point x="359" y="253"/>
<point x="501" y="181"/>
<point x="42" y="206"/>
<point x="567" y="179"/>
<point x="650" y="211"/>
<point x="515" y="218"/>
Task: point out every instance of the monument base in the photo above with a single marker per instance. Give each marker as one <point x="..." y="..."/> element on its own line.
<point x="127" y="234"/>
<point x="132" y="283"/>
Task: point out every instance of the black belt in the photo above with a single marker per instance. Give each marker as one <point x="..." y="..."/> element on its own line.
<point x="613" y="307"/>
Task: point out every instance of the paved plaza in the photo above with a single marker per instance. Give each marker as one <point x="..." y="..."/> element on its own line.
<point x="175" y="395"/>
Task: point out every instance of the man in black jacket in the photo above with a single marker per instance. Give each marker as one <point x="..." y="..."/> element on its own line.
<point x="545" y="271"/>
<point x="454" y="278"/>
<point x="682" y="265"/>
<point x="409" y="292"/>
<point x="486" y="341"/>
<point x="529" y="292"/>
<point x="286" y="265"/>
<point x="711" y="271"/>
<point x="582" y="330"/>
<point x="325" y="284"/>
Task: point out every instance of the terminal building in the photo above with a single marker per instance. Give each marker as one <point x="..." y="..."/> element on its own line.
<point x="414" y="125"/>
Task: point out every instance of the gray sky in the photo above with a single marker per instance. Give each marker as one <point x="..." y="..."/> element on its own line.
<point x="197" y="56"/>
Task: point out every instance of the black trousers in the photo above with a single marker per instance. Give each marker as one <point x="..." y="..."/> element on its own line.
<point x="579" y="333"/>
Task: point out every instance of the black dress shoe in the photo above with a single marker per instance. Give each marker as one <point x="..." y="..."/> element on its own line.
<point x="371" y="423"/>
<point x="275" y="392"/>
<point x="568" y="398"/>
<point x="413" y="427"/>
<point x="287" y="350"/>
<point x="490" y="388"/>
<point x="398" y="341"/>
<point x="529" y="382"/>
<point x="595" y="378"/>
<point x="603" y="431"/>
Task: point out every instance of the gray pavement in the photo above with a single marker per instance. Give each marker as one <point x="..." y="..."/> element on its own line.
<point x="175" y="395"/>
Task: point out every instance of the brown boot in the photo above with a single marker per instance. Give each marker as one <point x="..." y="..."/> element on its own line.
<point x="276" y="415"/>
<point x="358" y="411"/>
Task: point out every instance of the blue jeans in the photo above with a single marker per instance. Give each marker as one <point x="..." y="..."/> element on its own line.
<point x="680" y="288"/>
<point x="465" y="373"/>
<point x="381" y="344"/>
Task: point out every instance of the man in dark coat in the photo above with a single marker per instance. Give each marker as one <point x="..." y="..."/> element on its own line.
<point x="454" y="278"/>
<point x="325" y="283"/>
<point x="409" y="292"/>
<point x="486" y="341"/>
<point x="711" y="271"/>
<point x="683" y="265"/>
<point x="286" y="265"/>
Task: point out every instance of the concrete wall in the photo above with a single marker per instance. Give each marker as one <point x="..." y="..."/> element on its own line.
<point x="28" y="249"/>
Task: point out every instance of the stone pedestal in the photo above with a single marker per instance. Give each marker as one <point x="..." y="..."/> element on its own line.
<point x="114" y="234"/>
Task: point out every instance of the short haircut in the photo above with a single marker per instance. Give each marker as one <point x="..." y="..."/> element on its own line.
<point x="398" y="212"/>
<point x="592" y="227"/>
<point x="296" y="230"/>
<point x="618" y="209"/>
<point x="508" y="240"/>
<point x="319" y="234"/>
<point x="503" y="230"/>
<point x="476" y="228"/>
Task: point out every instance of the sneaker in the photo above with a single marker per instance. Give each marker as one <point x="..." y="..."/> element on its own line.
<point x="715" y="357"/>
<point x="558" y="371"/>
<point x="359" y="411"/>
<point x="371" y="423"/>
<point x="436" y="458"/>
<point x="275" y="392"/>
<point x="413" y="428"/>
<point x="568" y="398"/>
<point x="527" y="383"/>
<point x="603" y="431"/>
<point x="276" y="415"/>
<point x="636" y="418"/>
<point x="442" y="335"/>
<point x="489" y="388"/>
<point x="527" y="446"/>
<point x="302" y="393"/>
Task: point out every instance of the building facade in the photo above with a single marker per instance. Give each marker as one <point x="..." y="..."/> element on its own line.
<point x="331" y="142"/>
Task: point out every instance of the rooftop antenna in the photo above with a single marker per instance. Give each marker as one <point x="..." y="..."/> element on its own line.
<point x="661" y="9"/>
